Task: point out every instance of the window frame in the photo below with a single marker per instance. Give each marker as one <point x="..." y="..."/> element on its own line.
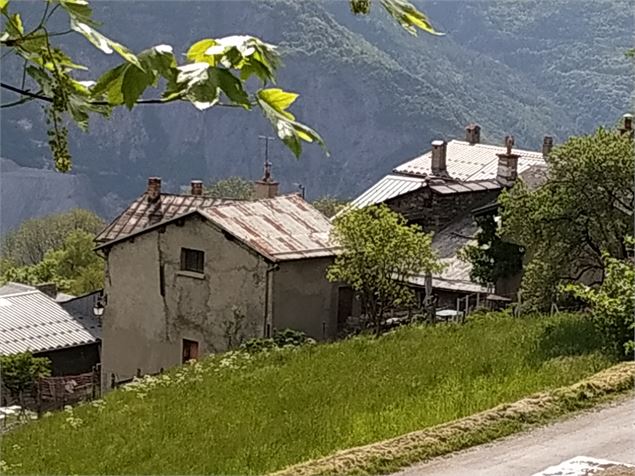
<point x="192" y="260"/>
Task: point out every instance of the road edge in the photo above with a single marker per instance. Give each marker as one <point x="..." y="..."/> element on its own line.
<point x="503" y="420"/>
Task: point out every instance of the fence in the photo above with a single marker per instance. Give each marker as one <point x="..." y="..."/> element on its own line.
<point x="53" y="393"/>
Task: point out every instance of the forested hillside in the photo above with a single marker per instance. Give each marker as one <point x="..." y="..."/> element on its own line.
<point x="377" y="95"/>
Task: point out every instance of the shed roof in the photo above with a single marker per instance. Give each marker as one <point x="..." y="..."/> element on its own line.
<point x="32" y="321"/>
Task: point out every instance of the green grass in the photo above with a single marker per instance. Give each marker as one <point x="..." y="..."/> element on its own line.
<point x="233" y="415"/>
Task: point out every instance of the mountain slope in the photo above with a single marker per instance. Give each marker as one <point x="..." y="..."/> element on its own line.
<point x="377" y="95"/>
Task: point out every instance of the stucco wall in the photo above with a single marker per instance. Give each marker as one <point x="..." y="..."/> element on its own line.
<point x="144" y="330"/>
<point x="303" y="299"/>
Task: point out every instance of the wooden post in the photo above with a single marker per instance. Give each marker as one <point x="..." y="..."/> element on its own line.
<point x="478" y="300"/>
<point x="39" y="397"/>
<point x="138" y="373"/>
<point x="112" y="381"/>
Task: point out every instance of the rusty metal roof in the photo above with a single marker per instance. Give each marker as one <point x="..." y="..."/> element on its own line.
<point x="281" y="228"/>
<point x="472" y="167"/>
<point x="32" y="321"/>
<point x="142" y="213"/>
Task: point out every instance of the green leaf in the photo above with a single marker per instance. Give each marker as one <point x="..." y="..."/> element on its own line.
<point x="273" y="103"/>
<point x="103" y="43"/>
<point x="14" y="26"/>
<point x="109" y="85"/>
<point x="134" y="83"/>
<point x="4" y="4"/>
<point x="197" y="51"/>
<point x="159" y="59"/>
<point x="41" y="78"/>
<point x="408" y="16"/>
<point x="231" y="86"/>
<point x="277" y="98"/>
<point x="79" y="10"/>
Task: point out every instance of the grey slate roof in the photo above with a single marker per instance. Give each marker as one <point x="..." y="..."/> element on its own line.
<point x="32" y="321"/>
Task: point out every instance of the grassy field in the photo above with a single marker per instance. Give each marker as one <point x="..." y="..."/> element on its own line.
<point x="233" y="414"/>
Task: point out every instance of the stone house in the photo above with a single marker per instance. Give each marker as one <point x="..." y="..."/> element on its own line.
<point x="439" y="190"/>
<point x="187" y="275"/>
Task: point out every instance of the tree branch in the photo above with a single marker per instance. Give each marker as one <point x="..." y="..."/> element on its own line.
<point x="41" y="97"/>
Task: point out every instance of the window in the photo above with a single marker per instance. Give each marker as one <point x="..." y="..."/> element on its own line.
<point x="190" y="350"/>
<point x="192" y="260"/>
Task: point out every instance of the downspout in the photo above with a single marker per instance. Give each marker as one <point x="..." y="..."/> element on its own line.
<point x="271" y="268"/>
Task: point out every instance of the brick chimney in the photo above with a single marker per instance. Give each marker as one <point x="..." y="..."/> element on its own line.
<point x="547" y="145"/>
<point x="439" y="154"/>
<point x="266" y="187"/>
<point x="50" y="289"/>
<point x="197" y="187"/>
<point x="627" y="125"/>
<point x="473" y="134"/>
<point x="154" y="189"/>
<point x="507" y="164"/>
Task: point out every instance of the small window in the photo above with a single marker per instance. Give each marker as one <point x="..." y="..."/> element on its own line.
<point x="192" y="260"/>
<point x="190" y="350"/>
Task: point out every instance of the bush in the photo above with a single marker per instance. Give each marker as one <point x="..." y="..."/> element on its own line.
<point x="284" y="338"/>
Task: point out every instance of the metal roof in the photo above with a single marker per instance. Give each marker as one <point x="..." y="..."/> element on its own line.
<point x="282" y="228"/>
<point x="142" y="213"/>
<point x="32" y="321"/>
<point x="388" y="187"/>
<point x="471" y="167"/>
<point x="447" y="244"/>
<point x="468" y="162"/>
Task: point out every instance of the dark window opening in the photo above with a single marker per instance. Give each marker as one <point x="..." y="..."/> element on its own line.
<point x="192" y="260"/>
<point x="190" y="350"/>
<point x="344" y="305"/>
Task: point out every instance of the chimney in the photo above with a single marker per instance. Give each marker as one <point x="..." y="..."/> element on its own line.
<point x="507" y="164"/>
<point x="50" y="289"/>
<point x="266" y="187"/>
<point x="197" y="187"/>
<point x="547" y="145"/>
<point x="154" y="189"/>
<point x="627" y="126"/>
<point x="439" y="153"/>
<point x="473" y="134"/>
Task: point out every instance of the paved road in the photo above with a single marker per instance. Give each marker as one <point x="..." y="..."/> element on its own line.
<point x="606" y="433"/>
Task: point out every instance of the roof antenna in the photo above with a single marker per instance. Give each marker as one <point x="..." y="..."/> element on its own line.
<point x="267" y="175"/>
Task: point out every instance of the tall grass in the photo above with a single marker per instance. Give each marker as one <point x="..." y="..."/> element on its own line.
<point x="231" y="414"/>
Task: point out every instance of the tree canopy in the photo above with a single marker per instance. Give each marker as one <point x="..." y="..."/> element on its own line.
<point x="379" y="251"/>
<point x="580" y="216"/>
<point x="216" y="72"/>
<point x="232" y="187"/>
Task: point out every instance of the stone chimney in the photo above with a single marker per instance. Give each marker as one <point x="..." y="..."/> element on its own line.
<point x="439" y="154"/>
<point x="473" y="134"/>
<point x="154" y="189"/>
<point x="627" y="125"/>
<point x="197" y="187"/>
<point x="547" y="145"/>
<point x="266" y="187"/>
<point x="50" y="289"/>
<point x="507" y="164"/>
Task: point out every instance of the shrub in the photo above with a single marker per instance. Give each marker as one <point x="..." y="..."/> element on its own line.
<point x="283" y="338"/>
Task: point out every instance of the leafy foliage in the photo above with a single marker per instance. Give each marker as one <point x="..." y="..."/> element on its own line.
<point x="379" y="251"/>
<point x="281" y="339"/>
<point x="492" y="258"/>
<point x="216" y="72"/>
<point x="74" y="267"/>
<point x="329" y="206"/>
<point x="584" y="209"/>
<point x="29" y="243"/>
<point x="613" y="305"/>
<point x="232" y="187"/>
<point x="20" y="371"/>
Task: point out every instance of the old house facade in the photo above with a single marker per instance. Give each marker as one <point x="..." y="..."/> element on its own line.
<point x="188" y="275"/>
<point x="439" y="191"/>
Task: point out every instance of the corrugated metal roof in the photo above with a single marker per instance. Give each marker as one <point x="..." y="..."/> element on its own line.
<point x="388" y="187"/>
<point x="141" y="213"/>
<point x="31" y="321"/>
<point x="468" y="162"/>
<point x="282" y="228"/>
